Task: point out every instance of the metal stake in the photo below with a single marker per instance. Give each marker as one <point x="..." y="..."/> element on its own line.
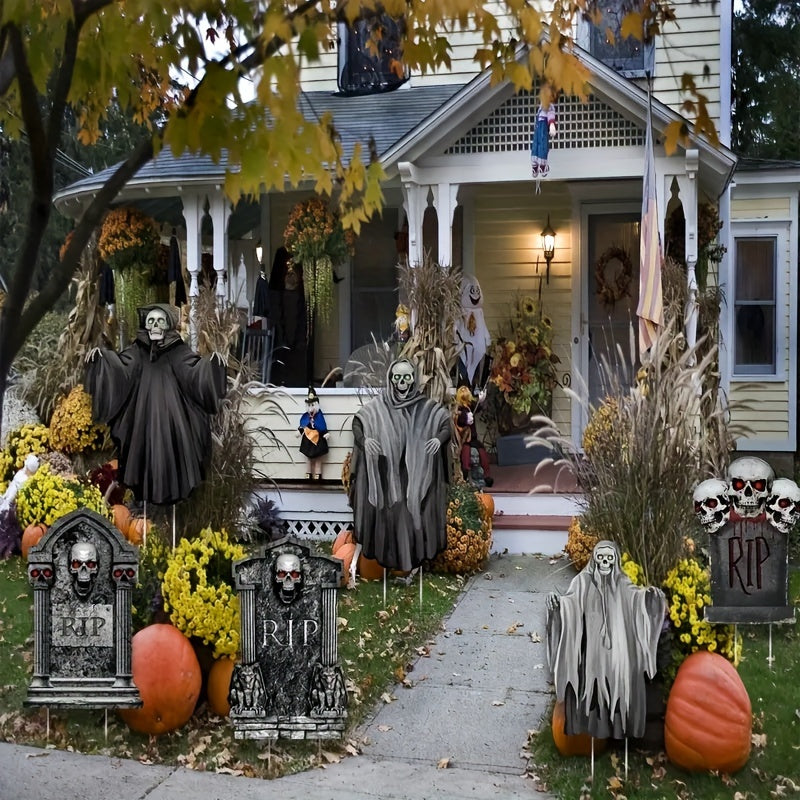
<point x="384" y="588"/>
<point x="770" y="657"/>
<point x="174" y="526"/>
<point x="592" y="754"/>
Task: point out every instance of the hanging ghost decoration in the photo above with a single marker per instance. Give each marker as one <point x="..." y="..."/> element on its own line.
<point x="601" y="645"/>
<point x="472" y="333"/>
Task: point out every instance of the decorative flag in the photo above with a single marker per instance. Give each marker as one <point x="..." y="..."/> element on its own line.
<point x="651" y="305"/>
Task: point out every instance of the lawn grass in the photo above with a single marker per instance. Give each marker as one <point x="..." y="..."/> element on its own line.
<point x="377" y="645"/>
<point x="773" y="769"/>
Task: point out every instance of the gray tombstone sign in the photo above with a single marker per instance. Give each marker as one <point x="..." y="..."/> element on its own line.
<point x="289" y="683"/>
<point x="82" y="573"/>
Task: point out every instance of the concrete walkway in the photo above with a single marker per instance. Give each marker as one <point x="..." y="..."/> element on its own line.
<point x="473" y="699"/>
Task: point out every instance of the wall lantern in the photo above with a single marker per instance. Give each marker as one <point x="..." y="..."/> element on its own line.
<point x="548" y="245"/>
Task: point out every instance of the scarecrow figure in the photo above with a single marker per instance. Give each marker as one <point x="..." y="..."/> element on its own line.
<point x="313" y="436"/>
<point x="399" y="473"/>
<point x="472" y="335"/>
<point x="401" y="327"/>
<point x="468" y="441"/>
<point x="601" y="644"/>
<point x="157" y="397"/>
<point x="544" y="129"/>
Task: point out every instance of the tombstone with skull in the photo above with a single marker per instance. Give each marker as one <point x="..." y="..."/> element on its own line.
<point x="712" y="504"/>
<point x="783" y="504"/>
<point x="83" y="568"/>
<point x="749" y="483"/>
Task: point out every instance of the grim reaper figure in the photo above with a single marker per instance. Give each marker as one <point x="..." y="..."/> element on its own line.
<point x="157" y="397"/>
<point x="601" y="643"/>
<point x="399" y="473"/>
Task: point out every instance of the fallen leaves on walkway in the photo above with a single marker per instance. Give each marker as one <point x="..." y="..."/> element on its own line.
<point x="444" y="763"/>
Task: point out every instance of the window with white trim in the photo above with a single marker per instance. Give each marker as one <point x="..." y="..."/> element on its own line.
<point x="755" y="332"/>
<point x="370" y="55"/>
<point x="629" y="56"/>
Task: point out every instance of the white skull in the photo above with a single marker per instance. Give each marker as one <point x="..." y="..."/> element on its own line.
<point x="712" y="504"/>
<point x="83" y="567"/>
<point x="749" y="483"/>
<point x="402" y="379"/>
<point x="288" y="577"/>
<point x="156" y="323"/>
<point x="604" y="557"/>
<point x="783" y="504"/>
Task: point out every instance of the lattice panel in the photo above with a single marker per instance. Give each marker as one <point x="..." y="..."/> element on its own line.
<point x="580" y="125"/>
<point x="317" y="528"/>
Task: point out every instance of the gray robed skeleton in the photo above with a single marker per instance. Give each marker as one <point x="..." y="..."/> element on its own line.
<point x="601" y="644"/>
<point x="399" y="473"/>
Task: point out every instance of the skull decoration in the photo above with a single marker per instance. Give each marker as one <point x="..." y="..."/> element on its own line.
<point x="83" y="568"/>
<point x="288" y="577"/>
<point x="783" y="504"/>
<point x="749" y="484"/>
<point x="605" y="557"/>
<point x="712" y="504"/>
<point x="401" y="378"/>
<point x="156" y="323"/>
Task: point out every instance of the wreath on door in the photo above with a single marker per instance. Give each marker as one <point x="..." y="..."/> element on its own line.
<point x="618" y="285"/>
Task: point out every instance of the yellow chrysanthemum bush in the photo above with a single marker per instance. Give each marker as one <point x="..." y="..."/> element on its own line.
<point x="580" y="543"/>
<point x="72" y="427"/>
<point x="6" y="464"/>
<point x="469" y="532"/>
<point x="46" y="497"/>
<point x="24" y="441"/>
<point x="198" y="590"/>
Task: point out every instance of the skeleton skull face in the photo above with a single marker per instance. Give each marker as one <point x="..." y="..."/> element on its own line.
<point x="402" y="380"/>
<point x="749" y="484"/>
<point x="83" y="568"/>
<point x="156" y="323"/>
<point x="712" y="504"/>
<point x="604" y="557"/>
<point x="783" y="504"/>
<point x="288" y="577"/>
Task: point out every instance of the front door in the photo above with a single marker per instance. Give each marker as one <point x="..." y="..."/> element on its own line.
<point x="612" y="295"/>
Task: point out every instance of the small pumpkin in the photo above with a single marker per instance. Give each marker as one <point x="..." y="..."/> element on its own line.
<point x="346" y="553"/>
<point x="578" y="744"/>
<point x="369" y="569"/>
<point x="122" y="517"/>
<point x="219" y="685"/>
<point x="31" y="536"/>
<point x="345" y="537"/>
<point x="709" y="718"/>
<point x="167" y="673"/>
<point x="136" y="529"/>
<point x="488" y="502"/>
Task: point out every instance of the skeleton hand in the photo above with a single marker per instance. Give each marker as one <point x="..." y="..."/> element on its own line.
<point x="481" y="398"/>
<point x="470" y="418"/>
<point x="553" y="602"/>
<point x="94" y="353"/>
<point x="552" y="129"/>
<point x="220" y="358"/>
<point x="432" y="446"/>
<point x="326" y="436"/>
<point x="372" y="446"/>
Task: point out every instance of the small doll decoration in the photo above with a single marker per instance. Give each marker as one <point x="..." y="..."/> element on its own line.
<point x="401" y="329"/>
<point x="544" y="129"/>
<point x="313" y="436"/>
<point x="468" y="441"/>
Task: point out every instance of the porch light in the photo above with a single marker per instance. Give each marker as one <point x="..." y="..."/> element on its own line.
<point x="548" y="245"/>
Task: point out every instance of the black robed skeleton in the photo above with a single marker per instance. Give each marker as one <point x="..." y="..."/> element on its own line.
<point x="157" y="397"/>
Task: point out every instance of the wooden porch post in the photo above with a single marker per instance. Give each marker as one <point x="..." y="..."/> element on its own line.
<point x="689" y="196"/>
<point x="415" y="200"/>
<point x="220" y="211"/>
<point x="444" y="201"/>
<point x="193" y="215"/>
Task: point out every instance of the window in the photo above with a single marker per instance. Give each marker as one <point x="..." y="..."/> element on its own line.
<point x="755" y="300"/>
<point x="630" y="57"/>
<point x="370" y="56"/>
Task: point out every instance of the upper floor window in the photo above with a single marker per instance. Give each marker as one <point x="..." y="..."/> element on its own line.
<point x="628" y="55"/>
<point x="370" y="55"/>
<point x="755" y="300"/>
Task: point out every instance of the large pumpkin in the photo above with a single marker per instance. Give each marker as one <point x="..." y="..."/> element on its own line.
<point x="488" y="502"/>
<point x="167" y="674"/>
<point x="369" y="569"/>
<point x="709" y="718"/>
<point x="219" y="685"/>
<point x="31" y="536"/>
<point x="344" y="548"/>
<point x="579" y="744"/>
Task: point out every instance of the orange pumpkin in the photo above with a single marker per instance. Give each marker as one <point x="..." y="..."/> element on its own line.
<point x="369" y="569"/>
<point x="345" y="537"/>
<point x="219" y="684"/>
<point x="488" y="502"/>
<point x="136" y="530"/>
<point x="345" y="553"/>
<point x="709" y="718"/>
<point x="167" y="674"/>
<point x="31" y="536"/>
<point x="578" y="744"/>
<point x="122" y="517"/>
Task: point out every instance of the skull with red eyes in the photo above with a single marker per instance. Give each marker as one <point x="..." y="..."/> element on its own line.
<point x="83" y="568"/>
<point x="749" y="484"/>
<point x="783" y="504"/>
<point x="288" y="577"/>
<point x="712" y="506"/>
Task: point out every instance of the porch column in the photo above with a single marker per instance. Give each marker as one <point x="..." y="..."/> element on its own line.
<point x="444" y="201"/>
<point x="415" y="201"/>
<point x="688" y="186"/>
<point x="220" y="212"/>
<point x="193" y="215"/>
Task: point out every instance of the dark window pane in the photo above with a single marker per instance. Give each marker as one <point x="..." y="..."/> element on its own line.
<point x="371" y="58"/>
<point x="755" y="349"/>
<point x="607" y="45"/>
